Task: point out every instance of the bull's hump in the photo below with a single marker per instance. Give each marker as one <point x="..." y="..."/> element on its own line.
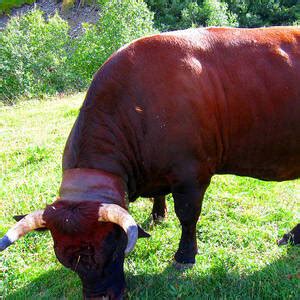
<point x="181" y="40"/>
<point x="206" y="39"/>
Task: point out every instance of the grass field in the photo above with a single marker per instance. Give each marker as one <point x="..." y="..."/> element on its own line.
<point x="241" y="220"/>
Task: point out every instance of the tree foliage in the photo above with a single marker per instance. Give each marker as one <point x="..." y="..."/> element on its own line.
<point x="174" y="14"/>
<point x="7" y="5"/>
<point x="265" y="12"/>
<point x="120" y="22"/>
<point x="210" y="13"/>
<point x="39" y="57"/>
<point x="33" y="56"/>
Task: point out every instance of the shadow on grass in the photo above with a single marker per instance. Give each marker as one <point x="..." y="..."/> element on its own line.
<point x="278" y="280"/>
<point x="55" y="284"/>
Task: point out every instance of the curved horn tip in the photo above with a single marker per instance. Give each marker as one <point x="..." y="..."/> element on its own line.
<point x="118" y="215"/>
<point x="5" y="242"/>
<point x="132" y="236"/>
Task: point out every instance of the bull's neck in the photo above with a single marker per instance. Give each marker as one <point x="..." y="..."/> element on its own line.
<point x="104" y="142"/>
<point x="89" y="184"/>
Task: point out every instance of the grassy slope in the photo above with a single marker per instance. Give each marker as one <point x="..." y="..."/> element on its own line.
<point x="241" y="220"/>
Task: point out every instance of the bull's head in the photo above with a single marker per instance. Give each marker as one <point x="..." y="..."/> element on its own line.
<point x="90" y="237"/>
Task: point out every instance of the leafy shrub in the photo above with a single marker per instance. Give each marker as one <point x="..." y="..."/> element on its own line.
<point x="120" y="22"/>
<point x="39" y="57"/>
<point x="7" y="5"/>
<point x="210" y="13"/>
<point x="175" y="14"/>
<point x="168" y="12"/>
<point x="217" y="14"/>
<point x="33" y="53"/>
<point x="184" y="14"/>
<point x="265" y="12"/>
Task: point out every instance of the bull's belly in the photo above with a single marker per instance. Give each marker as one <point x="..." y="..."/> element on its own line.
<point x="277" y="170"/>
<point x="269" y="152"/>
<point x="151" y="189"/>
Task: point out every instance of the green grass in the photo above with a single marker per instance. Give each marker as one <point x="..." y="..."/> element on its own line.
<point x="241" y="220"/>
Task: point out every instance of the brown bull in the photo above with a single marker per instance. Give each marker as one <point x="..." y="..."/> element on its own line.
<point x="163" y="115"/>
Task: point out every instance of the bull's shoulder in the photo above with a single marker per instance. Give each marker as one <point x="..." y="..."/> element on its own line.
<point x="143" y="55"/>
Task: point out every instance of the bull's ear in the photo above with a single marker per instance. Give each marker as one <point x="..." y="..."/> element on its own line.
<point x="20" y="217"/>
<point x="142" y="233"/>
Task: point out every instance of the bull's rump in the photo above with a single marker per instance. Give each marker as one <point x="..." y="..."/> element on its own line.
<point x="263" y="102"/>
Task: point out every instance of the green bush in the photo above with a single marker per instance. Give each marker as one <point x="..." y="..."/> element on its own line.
<point x="175" y="14"/>
<point x="34" y="54"/>
<point x="217" y="14"/>
<point x="168" y="13"/>
<point x="210" y="13"/>
<point x="265" y="12"/>
<point x="7" y="5"/>
<point x="120" y="22"/>
<point x="39" y="57"/>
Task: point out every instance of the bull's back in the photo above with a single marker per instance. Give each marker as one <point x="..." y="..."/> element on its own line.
<point x="224" y="100"/>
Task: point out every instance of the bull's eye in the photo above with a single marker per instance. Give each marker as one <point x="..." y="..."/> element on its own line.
<point x="115" y="256"/>
<point x="87" y="250"/>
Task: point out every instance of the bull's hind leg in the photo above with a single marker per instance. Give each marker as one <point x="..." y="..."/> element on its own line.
<point x="188" y="202"/>
<point x="292" y="237"/>
<point x="159" y="210"/>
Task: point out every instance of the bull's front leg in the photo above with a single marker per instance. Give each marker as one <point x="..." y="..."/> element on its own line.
<point x="188" y="202"/>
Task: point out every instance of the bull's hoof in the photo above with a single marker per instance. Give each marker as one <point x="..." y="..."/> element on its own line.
<point x="187" y="255"/>
<point x="181" y="266"/>
<point x="157" y="219"/>
<point x="283" y="241"/>
<point x="292" y="237"/>
<point x="287" y="239"/>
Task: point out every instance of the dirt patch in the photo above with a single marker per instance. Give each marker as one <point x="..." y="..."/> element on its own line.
<point x="75" y="16"/>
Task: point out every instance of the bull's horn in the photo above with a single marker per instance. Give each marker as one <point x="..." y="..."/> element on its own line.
<point x="27" y="224"/>
<point x="118" y="215"/>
